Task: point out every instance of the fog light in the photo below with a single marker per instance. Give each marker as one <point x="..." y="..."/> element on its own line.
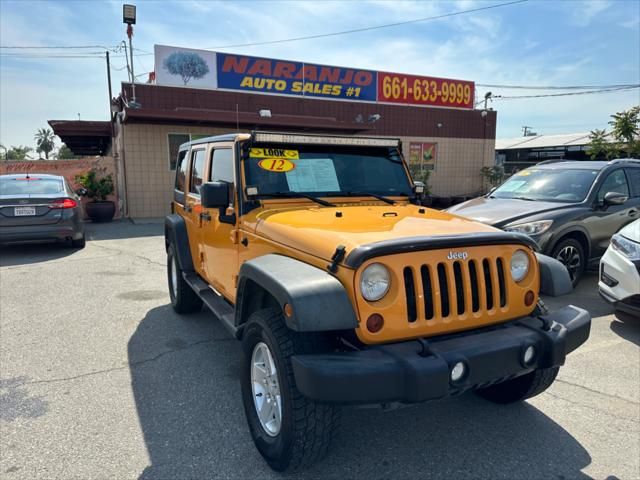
<point x="375" y="323"/>
<point x="458" y="371"/>
<point x="529" y="355"/>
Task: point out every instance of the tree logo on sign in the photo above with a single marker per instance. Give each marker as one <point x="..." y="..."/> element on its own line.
<point x="186" y="64"/>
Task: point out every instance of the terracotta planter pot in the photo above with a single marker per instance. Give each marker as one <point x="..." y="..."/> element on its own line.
<point x="101" y="212"/>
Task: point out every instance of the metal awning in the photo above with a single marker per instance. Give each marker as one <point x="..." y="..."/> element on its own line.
<point x="83" y="137"/>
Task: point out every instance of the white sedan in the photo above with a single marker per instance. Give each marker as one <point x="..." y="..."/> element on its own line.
<point x="620" y="272"/>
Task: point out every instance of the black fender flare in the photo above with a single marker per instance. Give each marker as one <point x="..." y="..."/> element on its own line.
<point x="568" y="230"/>
<point x="554" y="277"/>
<point x="318" y="300"/>
<point x="175" y="233"/>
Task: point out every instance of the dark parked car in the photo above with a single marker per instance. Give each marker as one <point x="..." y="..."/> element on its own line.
<point x="571" y="208"/>
<point x="39" y="207"/>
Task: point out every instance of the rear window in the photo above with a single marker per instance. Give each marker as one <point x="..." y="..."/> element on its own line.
<point x="633" y="175"/>
<point x="31" y="186"/>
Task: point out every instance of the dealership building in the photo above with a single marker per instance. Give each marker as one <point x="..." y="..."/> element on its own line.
<point x="227" y="93"/>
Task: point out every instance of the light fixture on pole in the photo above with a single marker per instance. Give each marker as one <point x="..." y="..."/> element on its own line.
<point x="129" y="17"/>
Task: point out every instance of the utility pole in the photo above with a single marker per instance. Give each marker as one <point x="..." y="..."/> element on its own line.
<point x="110" y="95"/>
<point x="487" y="96"/>
<point x="129" y="17"/>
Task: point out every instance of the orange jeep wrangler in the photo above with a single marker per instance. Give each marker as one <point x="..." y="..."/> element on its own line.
<point x="314" y="251"/>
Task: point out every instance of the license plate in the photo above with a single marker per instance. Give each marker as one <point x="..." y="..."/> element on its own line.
<point x="24" y="211"/>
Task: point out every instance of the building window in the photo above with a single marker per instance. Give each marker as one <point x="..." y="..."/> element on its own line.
<point x="175" y="140"/>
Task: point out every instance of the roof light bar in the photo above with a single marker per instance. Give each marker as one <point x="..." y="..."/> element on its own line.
<point x="324" y="140"/>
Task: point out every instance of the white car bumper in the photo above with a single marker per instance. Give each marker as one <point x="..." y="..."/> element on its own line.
<point x="619" y="282"/>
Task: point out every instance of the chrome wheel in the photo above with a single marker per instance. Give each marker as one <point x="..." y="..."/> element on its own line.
<point x="174" y="276"/>
<point x="266" y="389"/>
<point x="570" y="257"/>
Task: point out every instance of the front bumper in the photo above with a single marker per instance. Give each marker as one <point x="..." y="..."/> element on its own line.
<point x="416" y="371"/>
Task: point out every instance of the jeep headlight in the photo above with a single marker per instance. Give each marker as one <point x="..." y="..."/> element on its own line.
<point x="519" y="265"/>
<point x="531" y="228"/>
<point x="374" y="282"/>
<point x="626" y="247"/>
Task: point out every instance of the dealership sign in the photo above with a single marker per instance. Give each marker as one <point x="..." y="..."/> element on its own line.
<point x="205" y="69"/>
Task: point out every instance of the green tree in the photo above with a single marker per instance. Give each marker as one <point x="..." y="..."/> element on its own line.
<point x="624" y="139"/>
<point x="599" y="145"/>
<point x="19" y="153"/>
<point x="45" y="141"/>
<point x="65" y="153"/>
<point x="625" y="129"/>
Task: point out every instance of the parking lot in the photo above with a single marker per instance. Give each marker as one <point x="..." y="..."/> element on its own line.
<point x="99" y="378"/>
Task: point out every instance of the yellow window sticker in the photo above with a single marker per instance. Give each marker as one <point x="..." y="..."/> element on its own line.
<point x="525" y="173"/>
<point x="276" y="165"/>
<point x="274" y="153"/>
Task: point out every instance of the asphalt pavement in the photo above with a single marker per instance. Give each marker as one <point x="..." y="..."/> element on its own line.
<point x="99" y="378"/>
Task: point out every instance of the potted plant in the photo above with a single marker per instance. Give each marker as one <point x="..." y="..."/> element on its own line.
<point x="99" y="209"/>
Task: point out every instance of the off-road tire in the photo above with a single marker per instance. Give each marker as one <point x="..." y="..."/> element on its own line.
<point x="520" y="388"/>
<point x="183" y="298"/>
<point x="307" y="427"/>
<point x="79" y="243"/>
<point x="575" y="244"/>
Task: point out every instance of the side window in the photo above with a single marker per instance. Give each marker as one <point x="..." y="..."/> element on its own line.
<point x="222" y="165"/>
<point x="197" y="171"/>
<point x="181" y="171"/>
<point x="615" y="182"/>
<point x="175" y="140"/>
<point x="633" y="175"/>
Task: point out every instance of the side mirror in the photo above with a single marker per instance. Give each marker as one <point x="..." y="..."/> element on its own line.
<point x="418" y="187"/>
<point x="81" y="191"/>
<point x="214" y="195"/>
<point x="614" y="198"/>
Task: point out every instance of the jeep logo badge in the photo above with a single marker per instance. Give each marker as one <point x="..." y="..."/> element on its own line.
<point x="457" y="255"/>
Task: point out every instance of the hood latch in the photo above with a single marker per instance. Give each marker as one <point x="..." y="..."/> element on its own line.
<point x="337" y="257"/>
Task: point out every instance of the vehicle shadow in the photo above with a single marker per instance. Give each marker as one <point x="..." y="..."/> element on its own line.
<point x="585" y="295"/>
<point x="627" y="328"/>
<point x="122" y="228"/>
<point x="15" y="254"/>
<point x="184" y="372"/>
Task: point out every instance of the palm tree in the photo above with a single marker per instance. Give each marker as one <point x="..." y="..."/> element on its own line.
<point x="44" y="141"/>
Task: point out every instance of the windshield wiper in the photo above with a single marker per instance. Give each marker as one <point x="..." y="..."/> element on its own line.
<point x="297" y="195"/>
<point x="368" y="194"/>
<point x="526" y="199"/>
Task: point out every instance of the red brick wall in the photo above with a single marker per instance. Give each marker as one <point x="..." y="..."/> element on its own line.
<point x="67" y="168"/>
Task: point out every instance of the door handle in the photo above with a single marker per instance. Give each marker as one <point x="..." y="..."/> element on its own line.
<point x="188" y="208"/>
<point x="205" y="216"/>
<point x="633" y="212"/>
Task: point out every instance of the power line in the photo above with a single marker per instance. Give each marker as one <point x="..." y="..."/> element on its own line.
<point x="366" y="29"/>
<point x="555" y="87"/>
<point x="49" y="47"/>
<point x="588" y="92"/>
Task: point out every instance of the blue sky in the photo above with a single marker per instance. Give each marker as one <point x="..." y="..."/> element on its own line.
<point x="534" y="43"/>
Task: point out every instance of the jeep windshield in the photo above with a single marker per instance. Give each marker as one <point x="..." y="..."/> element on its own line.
<point x="548" y="185"/>
<point x="325" y="171"/>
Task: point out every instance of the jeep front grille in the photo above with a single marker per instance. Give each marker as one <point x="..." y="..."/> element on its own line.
<point x="457" y="289"/>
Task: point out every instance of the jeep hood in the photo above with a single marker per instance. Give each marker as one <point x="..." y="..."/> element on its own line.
<point x="502" y="211"/>
<point x="318" y="231"/>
